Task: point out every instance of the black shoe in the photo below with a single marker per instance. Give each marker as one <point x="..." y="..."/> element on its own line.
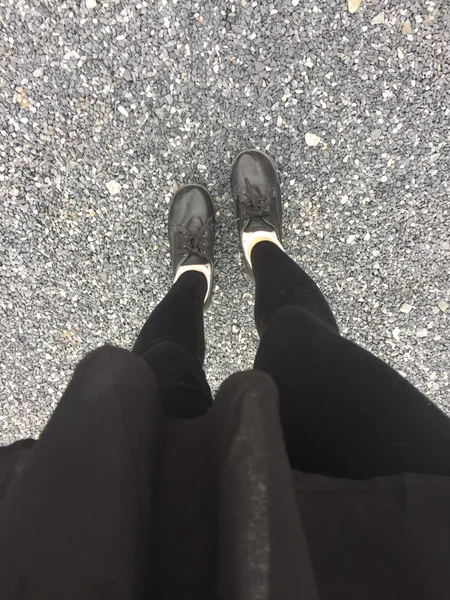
<point x="191" y="231"/>
<point x="257" y="196"/>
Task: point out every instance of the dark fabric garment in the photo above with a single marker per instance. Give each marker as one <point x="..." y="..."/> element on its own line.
<point x="140" y="487"/>
<point x="76" y="522"/>
<point x="344" y="412"/>
<point x="116" y="502"/>
<point x="172" y="342"/>
<point x="12" y="460"/>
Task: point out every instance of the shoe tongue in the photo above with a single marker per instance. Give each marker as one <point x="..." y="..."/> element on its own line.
<point x="257" y="224"/>
<point x="193" y="259"/>
<point x="194" y="224"/>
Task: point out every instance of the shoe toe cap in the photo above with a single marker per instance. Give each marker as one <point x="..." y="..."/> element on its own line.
<point x="191" y="199"/>
<point x="256" y="167"/>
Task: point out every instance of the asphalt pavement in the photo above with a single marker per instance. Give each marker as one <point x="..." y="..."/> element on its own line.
<point x="106" y="107"/>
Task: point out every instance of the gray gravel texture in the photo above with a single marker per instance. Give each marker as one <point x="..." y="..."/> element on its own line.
<point x="150" y="95"/>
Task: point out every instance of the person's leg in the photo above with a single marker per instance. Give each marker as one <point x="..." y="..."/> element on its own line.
<point x="172" y="344"/>
<point x="344" y="412"/>
<point x="172" y="340"/>
<point x="178" y="318"/>
<point x="280" y="282"/>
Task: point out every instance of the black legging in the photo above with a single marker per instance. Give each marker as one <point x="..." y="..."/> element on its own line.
<point x="344" y="412"/>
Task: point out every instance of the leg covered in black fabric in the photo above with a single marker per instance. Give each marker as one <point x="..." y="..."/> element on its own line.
<point x="344" y="412"/>
<point x="172" y="343"/>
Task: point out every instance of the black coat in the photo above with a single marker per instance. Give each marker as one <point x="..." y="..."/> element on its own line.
<point x="116" y="502"/>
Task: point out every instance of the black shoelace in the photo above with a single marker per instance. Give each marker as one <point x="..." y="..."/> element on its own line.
<point x="195" y="243"/>
<point x="253" y="205"/>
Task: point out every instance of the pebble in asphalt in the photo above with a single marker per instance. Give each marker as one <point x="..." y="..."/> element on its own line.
<point x="107" y="107"/>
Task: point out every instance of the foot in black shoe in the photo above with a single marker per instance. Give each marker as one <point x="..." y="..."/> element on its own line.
<point x="191" y="233"/>
<point x="257" y="197"/>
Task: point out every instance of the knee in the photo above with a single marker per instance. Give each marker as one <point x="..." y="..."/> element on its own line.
<point x="295" y="321"/>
